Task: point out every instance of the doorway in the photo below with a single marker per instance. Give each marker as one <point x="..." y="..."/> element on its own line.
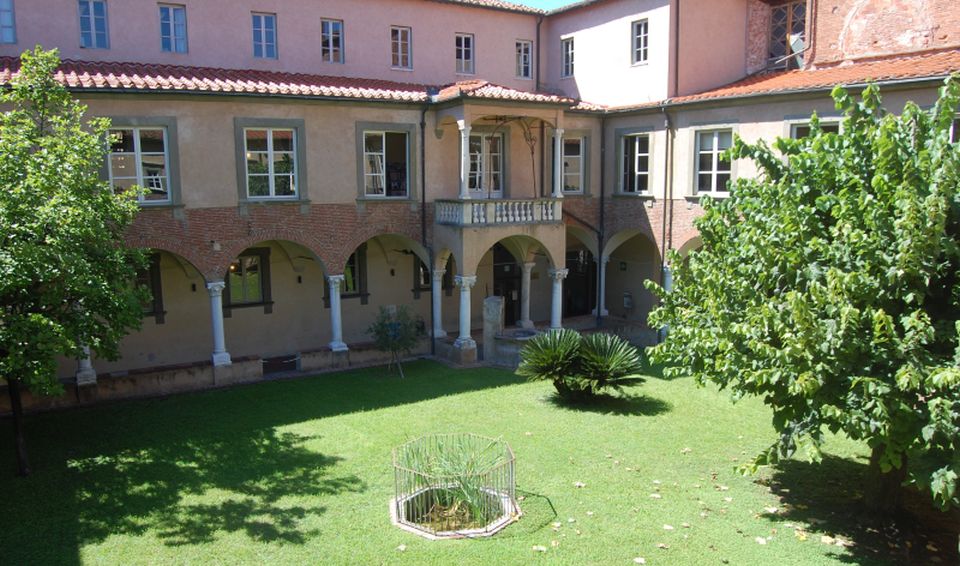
<point x="507" y="283"/>
<point x="580" y="287"/>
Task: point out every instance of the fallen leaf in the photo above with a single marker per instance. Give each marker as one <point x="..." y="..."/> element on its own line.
<point x="579" y="484"/>
<point x="571" y="520"/>
<point x="770" y="510"/>
<point x="663" y="546"/>
<point x="589" y="513"/>
<point x="728" y="499"/>
<point x="554" y="543"/>
<point x="656" y="482"/>
<point x="685" y="525"/>
<point x="668" y="527"/>
<point x="615" y="462"/>
<point x="760" y="540"/>
<point x="825" y="539"/>
<point x="402" y="547"/>
<point x="539" y="548"/>
<point x="932" y="547"/>
<point x="528" y="433"/>
<point x="703" y="514"/>
<point x="656" y="496"/>
<point x="723" y="488"/>
<point x="686" y="451"/>
<point x="639" y="560"/>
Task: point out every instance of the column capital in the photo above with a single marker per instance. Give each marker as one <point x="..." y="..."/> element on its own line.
<point x="438" y="274"/>
<point x="529" y="265"/>
<point x="465" y="281"/>
<point x="605" y="259"/>
<point x="336" y="280"/>
<point x="558" y="132"/>
<point x="559" y="274"/>
<point x="463" y="126"/>
<point x="215" y="288"/>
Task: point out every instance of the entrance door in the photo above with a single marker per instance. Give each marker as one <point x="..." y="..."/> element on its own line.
<point x="507" y="283"/>
<point x="580" y="287"/>
<point x="486" y="166"/>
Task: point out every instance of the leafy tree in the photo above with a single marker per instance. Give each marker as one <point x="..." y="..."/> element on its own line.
<point x="829" y="287"/>
<point x="581" y="367"/>
<point x="65" y="275"/>
<point x="396" y="331"/>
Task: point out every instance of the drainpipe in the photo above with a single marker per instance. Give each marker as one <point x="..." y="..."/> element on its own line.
<point x="536" y="71"/>
<point x="676" y="52"/>
<point x="666" y="235"/>
<point x="423" y="218"/>
<point x="601" y="233"/>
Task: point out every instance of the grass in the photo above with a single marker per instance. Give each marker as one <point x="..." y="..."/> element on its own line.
<point x="299" y="471"/>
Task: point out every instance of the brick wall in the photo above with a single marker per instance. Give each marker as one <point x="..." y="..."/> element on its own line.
<point x="758" y="35"/>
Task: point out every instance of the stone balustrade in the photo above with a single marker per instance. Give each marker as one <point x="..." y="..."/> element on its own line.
<point x="496" y="212"/>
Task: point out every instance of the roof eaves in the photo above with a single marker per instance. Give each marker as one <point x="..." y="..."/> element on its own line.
<point x="505" y="7"/>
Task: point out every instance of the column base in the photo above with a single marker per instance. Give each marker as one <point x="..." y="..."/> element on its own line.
<point x="465" y="344"/>
<point x="439" y="333"/>
<point x="558" y="327"/>
<point x="339" y="346"/>
<point x="528" y="324"/>
<point x="222" y="359"/>
<point x="604" y="312"/>
<point x="86" y="377"/>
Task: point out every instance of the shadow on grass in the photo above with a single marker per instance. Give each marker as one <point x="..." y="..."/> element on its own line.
<point x="538" y="514"/>
<point x="634" y="405"/>
<point x="827" y="498"/>
<point x="192" y="468"/>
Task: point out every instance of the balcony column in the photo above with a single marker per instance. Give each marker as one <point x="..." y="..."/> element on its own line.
<point x="465" y="282"/>
<point x="436" y="296"/>
<point x="220" y="355"/>
<point x="558" y="163"/>
<point x="336" y="320"/>
<point x="464" y="159"/>
<point x="556" y="302"/>
<point x="602" y="285"/>
<point x="86" y="375"/>
<point x="525" y="321"/>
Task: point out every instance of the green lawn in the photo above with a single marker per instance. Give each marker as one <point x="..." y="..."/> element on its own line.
<point x="299" y="472"/>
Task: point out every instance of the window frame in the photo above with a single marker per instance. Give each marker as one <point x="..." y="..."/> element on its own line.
<point x="361" y="130"/>
<point x="335" y="55"/>
<point x="261" y="41"/>
<point x="622" y="137"/>
<point x="640" y="42"/>
<point x="240" y="126"/>
<point x="715" y="160"/>
<point x="567" y="68"/>
<point x="585" y="143"/>
<point x="173" y="8"/>
<point x="396" y="52"/>
<point x="484" y="132"/>
<point x="266" y="295"/>
<point x="92" y="22"/>
<point x="151" y="279"/>
<point x="171" y="148"/>
<point x="794" y="125"/>
<point x="524" y="48"/>
<point x="13" y="22"/>
<point x="465" y="55"/>
<point x="955" y="129"/>
<point x="788" y="53"/>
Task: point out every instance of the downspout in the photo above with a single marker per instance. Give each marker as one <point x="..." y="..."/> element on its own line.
<point x="601" y="233"/>
<point x="666" y="235"/>
<point x="536" y="87"/>
<point x="423" y="219"/>
<point x="676" y="52"/>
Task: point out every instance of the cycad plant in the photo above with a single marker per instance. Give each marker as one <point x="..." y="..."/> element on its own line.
<point x="581" y="367"/>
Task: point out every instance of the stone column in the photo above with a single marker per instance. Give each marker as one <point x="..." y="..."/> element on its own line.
<point x="220" y="355"/>
<point x="556" y="303"/>
<point x="602" y="286"/>
<point x="436" y="296"/>
<point x="464" y="160"/>
<point x="336" y="321"/>
<point x="558" y="163"/>
<point x="525" y="321"/>
<point x="86" y="375"/>
<point x="465" y="282"/>
<point x="667" y="278"/>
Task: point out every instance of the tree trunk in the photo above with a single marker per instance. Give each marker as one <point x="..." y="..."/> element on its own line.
<point x="884" y="493"/>
<point x="20" y="445"/>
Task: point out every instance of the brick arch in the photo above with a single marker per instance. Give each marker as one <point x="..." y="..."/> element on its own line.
<point x="230" y="250"/>
<point x="623" y="236"/>
<point x="176" y="247"/>
<point x="339" y="256"/>
<point x="691" y="241"/>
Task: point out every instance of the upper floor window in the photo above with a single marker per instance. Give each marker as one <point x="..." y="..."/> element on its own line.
<point x="173" y="28"/>
<point x="573" y="165"/>
<point x="385" y="164"/>
<point x="8" y="28"/>
<point x="464" y="49"/>
<point x="802" y="129"/>
<point x="93" y="24"/>
<point x="712" y="172"/>
<point x="138" y="156"/>
<point x="640" y="42"/>
<point x="787" y="26"/>
<point x="486" y="163"/>
<point x="566" y="55"/>
<point x="955" y="131"/>
<point x="635" y="178"/>
<point x="265" y="36"/>
<point x="271" y="155"/>
<point x="400" y="47"/>
<point x="524" y="49"/>
<point x="331" y="41"/>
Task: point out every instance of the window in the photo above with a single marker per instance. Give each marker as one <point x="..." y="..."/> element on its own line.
<point x="8" y="29"/>
<point x="385" y="158"/>
<point x="400" y="49"/>
<point x="138" y="156"/>
<point x="331" y="41"/>
<point x="955" y="131"/>
<point x="573" y="165"/>
<point x="640" y="42"/>
<point x="271" y="162"/>
<point x="93" y="24"/>
<point x="149" y="279"/>
<point x="566" y="53"/>
<point x="787" y="23"/>
<point x="636" y="164"/>
<point x="524" y="49"/>
<point x="486" y="163"/>
<point x="464" y="49"/>
<point x="248" y="280"/>
<point x="265" y="36"/>
<point x="173" y="28"/>
<point x="422" y="277"/>
<point x="354" y="278"/>
<point x="802" y="130"/>
<point x="713" y="173"/>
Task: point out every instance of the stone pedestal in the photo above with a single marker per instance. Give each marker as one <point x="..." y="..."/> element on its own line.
<point x="492" y="326"/>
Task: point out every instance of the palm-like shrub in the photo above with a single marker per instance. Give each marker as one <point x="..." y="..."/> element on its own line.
<point x="581" y="367"/>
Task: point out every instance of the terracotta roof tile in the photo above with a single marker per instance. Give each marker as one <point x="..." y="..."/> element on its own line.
<point x="485" y="90"/>
<point x="497" y="5"/>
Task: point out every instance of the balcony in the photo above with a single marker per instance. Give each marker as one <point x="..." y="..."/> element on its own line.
<point x="498" y="212"/>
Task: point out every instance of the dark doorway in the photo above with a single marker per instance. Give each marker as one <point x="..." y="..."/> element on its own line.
<point x="506" y="283"/>
<point x="580" y="287"/>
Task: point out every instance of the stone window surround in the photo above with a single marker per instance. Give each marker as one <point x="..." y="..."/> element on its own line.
<point x="695" y="130"/>
<point x="506" y="132"/>
<point x="585" y="154"/>
<point x="169" y="123"/>
<point x="412" y="161"/>
<point x="620" y="134"/>
<point x="240" y="124"/>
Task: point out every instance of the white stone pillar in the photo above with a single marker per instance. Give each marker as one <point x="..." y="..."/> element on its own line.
<point x="465" y="282"/>
<point x="464" y="159"/>
<point x="556" y="302"/>
<point x="558" y="163"/>
<point x="86" y="375"/>
<point x="336" y="320"/>
<point x="667" y="278"/>
<point x="525" y="321"/>
<point x="436" y="295"/>
<point x="220" y="355"/>
<point x="602" y="285"/>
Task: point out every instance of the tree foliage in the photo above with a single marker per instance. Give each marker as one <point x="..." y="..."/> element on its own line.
<point x="828" y="285"/>
<point x="397" y="331"/>
<point x="66" y="279"/>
